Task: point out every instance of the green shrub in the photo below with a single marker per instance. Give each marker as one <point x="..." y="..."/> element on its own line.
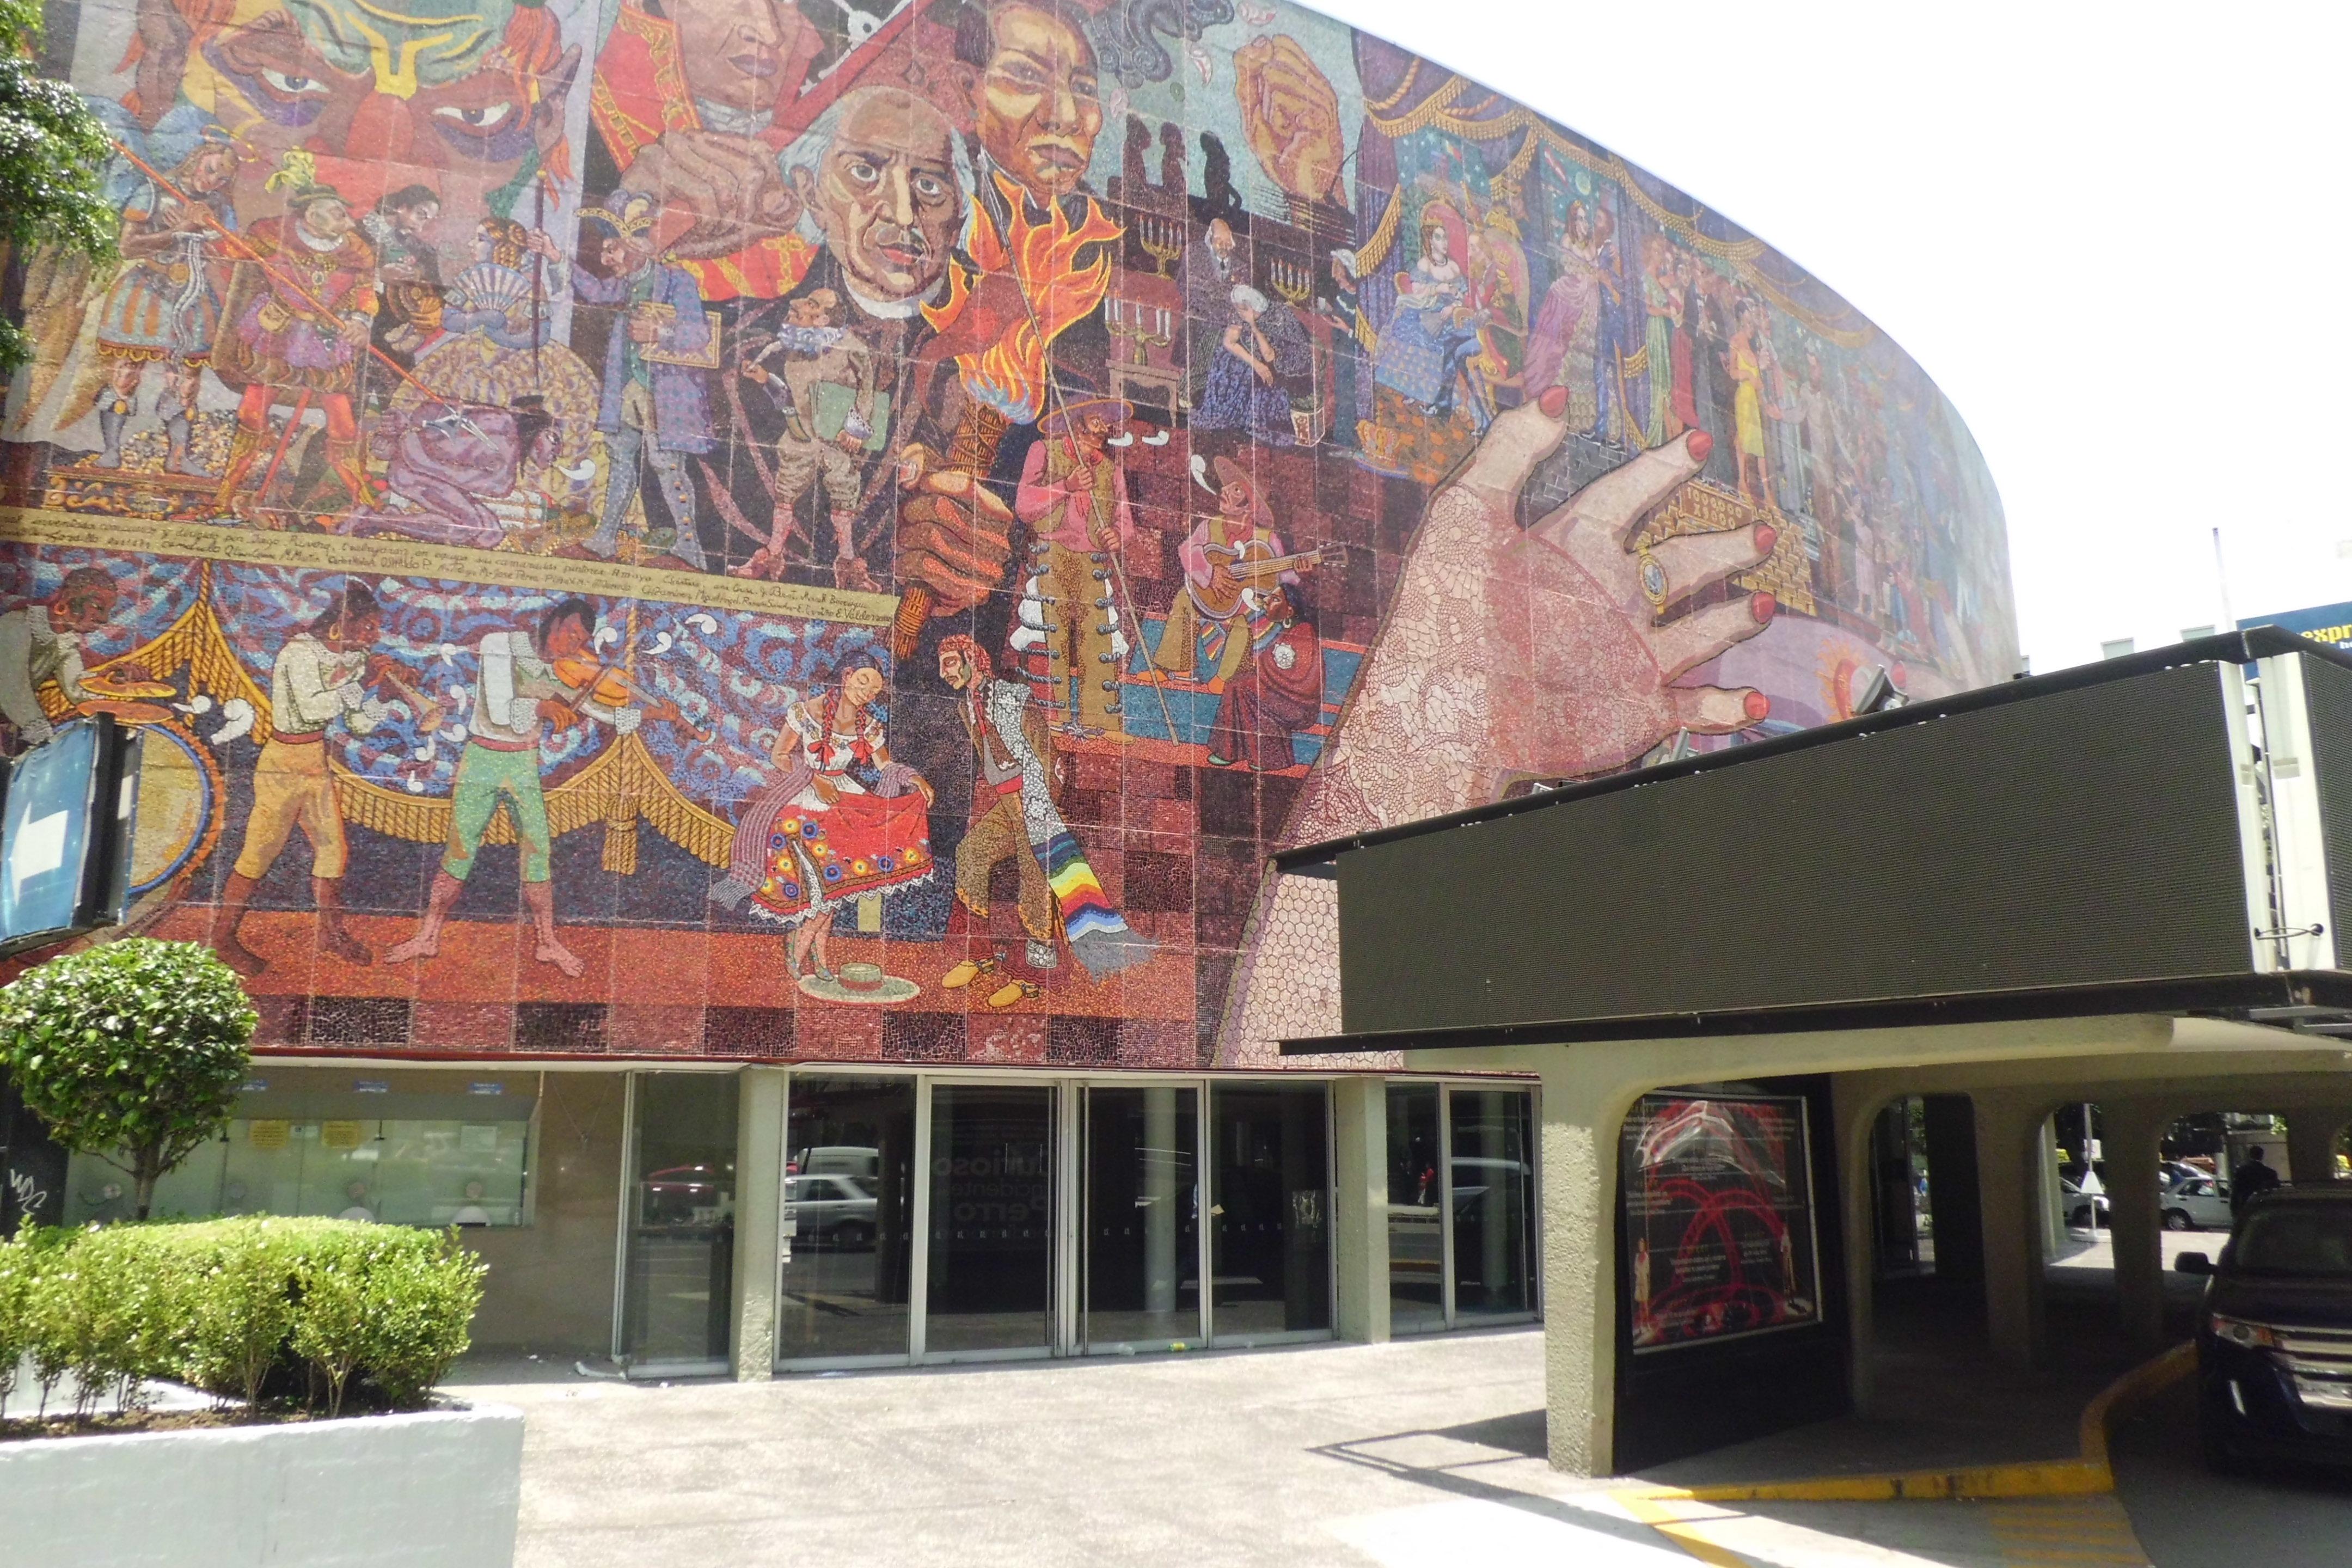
<point x="222" y="1305"/>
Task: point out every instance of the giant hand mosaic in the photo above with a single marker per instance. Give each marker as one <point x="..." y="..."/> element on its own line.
<point x="849" y="528"/>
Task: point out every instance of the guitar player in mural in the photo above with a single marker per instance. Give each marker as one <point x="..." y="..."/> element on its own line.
<point x="1233" y="561"/>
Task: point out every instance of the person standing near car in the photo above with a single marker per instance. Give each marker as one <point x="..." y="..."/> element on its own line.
<point x="2250" y="1180"/>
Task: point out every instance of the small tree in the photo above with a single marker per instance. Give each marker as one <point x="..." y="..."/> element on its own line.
<point x="132" y="1051"/>
<point x="53" y="157"/>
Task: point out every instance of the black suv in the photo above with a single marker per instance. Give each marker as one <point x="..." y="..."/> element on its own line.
<point x="2275" y="1333"/>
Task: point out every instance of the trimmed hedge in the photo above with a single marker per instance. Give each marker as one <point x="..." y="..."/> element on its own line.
<point x="262" y="1310"/>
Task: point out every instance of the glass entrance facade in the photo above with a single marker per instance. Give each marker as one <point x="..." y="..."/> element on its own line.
<point x="945" y="1216"/>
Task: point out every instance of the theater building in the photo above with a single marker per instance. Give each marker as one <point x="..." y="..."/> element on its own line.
<point x="730" y="600"/>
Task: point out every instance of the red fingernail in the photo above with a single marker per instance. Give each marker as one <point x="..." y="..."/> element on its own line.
<point x="1699" y="444"/>
<point x="1761" y="606"/>
<point x="1553" y="403"/>
<point x="1767" y="536"/>
<point x="1758" y="705"/>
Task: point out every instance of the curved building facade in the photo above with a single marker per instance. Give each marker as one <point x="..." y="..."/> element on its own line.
<point x="705" y="531"/>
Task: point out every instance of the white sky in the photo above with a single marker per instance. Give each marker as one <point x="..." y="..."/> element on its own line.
<point x="2115" y="234"/>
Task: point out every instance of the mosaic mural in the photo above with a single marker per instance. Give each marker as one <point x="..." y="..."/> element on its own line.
<point x="849" y="528"/>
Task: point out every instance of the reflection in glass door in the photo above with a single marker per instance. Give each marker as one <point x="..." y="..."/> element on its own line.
<point x="1416" y="1209"/>
<point x="1493" y="1193"/>
<point x="678" y="1290"/>
<point x="1142" y="1217"/>
<point x="989" y="1283"/>
<point x="847" y="1245"/>
<point x="1270" y="1212"/>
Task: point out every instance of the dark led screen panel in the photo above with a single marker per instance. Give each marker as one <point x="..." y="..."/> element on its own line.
<point x="2087" y="836"/>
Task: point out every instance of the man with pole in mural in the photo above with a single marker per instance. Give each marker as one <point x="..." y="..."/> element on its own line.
<point x="320" y="676"/>
<point x="301" y="308"/>
<point x="529" y="679"/>
<point x="1014" y="818"/>
<point x="161" y="310"/>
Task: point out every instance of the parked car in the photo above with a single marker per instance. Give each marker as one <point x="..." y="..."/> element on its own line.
<point x="836" y="1210"/>
<point x="2084" y="1210"/>
<point x="2172" y="1173"/>
<point x="2275" y="1333"/>
<point x="686" y="1194"/>
<point x="2201" y="1203"/>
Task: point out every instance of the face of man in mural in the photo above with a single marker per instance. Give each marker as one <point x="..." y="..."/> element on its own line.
<point x="355" y="631"/>
<point x="953" y="669"/>
<point x="886" y="196"/>
<point x="1038" y="105"/>
<point x="1234" y="500"/>
<point x="734" y="50"/>
<point x="568" y="637"/>
<point x="328" y="219"/>
<point x="429" y="85"/>
<point x="82" y="611"/>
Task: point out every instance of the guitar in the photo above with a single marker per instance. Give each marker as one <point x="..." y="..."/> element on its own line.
<point x="1251" y="565"/>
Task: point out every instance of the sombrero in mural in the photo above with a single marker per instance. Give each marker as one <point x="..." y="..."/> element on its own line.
<point x="1056" y="423"/>
<point x="860" y="984"/>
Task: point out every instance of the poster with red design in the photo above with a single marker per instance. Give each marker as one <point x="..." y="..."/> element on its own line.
<point x="1719" y="1232"/>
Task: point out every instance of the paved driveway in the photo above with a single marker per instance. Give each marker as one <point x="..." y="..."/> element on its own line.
<point x="1425" y="1451"/>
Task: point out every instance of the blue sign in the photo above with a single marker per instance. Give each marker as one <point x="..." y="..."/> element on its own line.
<point x="2330" y="623"/>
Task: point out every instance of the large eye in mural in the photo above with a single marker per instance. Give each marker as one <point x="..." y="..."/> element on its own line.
<point x="487" y="116"/>
<point x="288" y="86"/>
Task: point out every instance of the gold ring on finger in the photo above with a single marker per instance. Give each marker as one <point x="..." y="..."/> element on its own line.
<point x="1654" y="578"/>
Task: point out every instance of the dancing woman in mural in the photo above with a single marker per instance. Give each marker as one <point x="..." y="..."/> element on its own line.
<point x="844" y="821"/>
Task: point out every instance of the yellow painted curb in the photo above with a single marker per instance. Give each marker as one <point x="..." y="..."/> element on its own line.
<point x="2086" y="1476"/>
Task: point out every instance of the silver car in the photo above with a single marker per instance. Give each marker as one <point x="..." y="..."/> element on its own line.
<point x="2200" y="1204"/>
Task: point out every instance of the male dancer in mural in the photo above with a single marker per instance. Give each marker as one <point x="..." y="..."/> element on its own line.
<point x="43" y="643"/>
<point x="320" y="676"/>
<point x="1074" y="497"/>
<point x="301" y="308"/>
<point x="655" y="410"/>
<point x="1015" y="817"/>
<point x="529" y="679"/>
<point x="163" y="309"/>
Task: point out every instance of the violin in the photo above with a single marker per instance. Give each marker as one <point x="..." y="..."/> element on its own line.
<point x="590" y="679"/>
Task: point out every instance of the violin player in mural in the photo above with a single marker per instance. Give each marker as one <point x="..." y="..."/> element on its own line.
<point x="328" y="672"/>
<point x="531" y="679"/>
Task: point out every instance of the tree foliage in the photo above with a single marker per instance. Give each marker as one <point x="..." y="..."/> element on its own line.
<point x="132" y="1051"/>
<point x="53" y="156"/>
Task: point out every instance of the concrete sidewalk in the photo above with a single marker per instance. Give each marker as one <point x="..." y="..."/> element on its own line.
<point x="1404" y="1454"/>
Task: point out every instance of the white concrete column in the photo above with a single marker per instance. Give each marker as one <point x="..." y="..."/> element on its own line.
<point x="758" y="1214"/>
<point x="1359" y="1112"/>
<point x="2009" y="1182"/>
<point x="1583" y="1113"/>
<point x="2311" y="1141"/>
<point x="1856" y="1110"/>
<point x="2132" y="1133"/>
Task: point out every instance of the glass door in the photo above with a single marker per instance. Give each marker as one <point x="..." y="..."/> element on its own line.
<point x="1270" y="1212"/>
<point x="677" y="1294"/>
<point x="989" y="1273"/>
<point x="1492" y="1195"/>
<point x="1140" y="1231"/>
<point x="848" y="1249"/>
<point x="1416" y="1147"/>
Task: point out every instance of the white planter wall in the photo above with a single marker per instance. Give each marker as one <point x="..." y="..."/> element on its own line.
<point x="436" y="1489"/>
